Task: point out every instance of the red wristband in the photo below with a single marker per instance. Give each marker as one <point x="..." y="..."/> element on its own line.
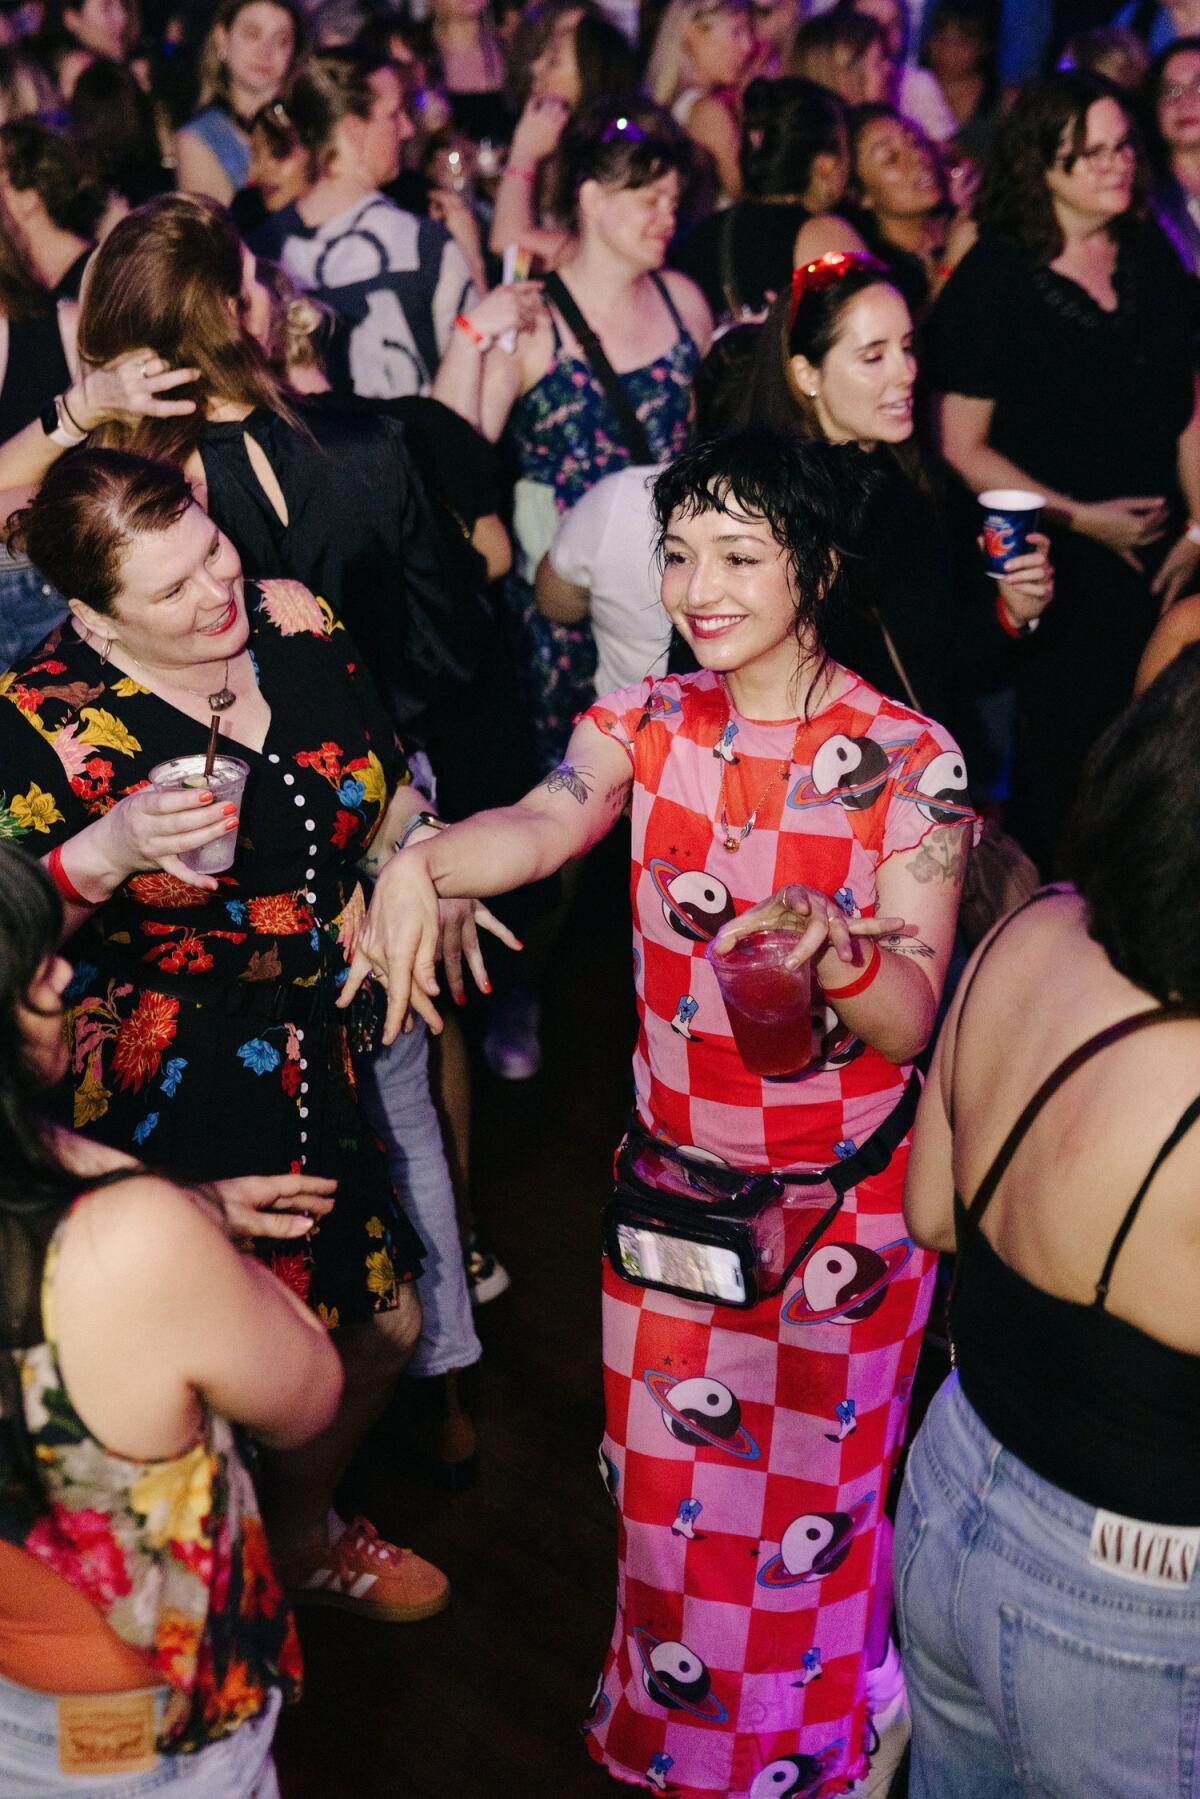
<point x="522" y="173"/>
<point x="860" y="985"/>
<point x="67" y="889"/>
<point x="1006" y="625"/>
<point x="463" y="324"/>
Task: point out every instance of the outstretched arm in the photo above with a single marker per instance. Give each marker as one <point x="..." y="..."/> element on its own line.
<point x="564" y="815"/>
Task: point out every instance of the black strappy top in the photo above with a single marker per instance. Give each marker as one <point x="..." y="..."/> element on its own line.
<point x="1086" y="1400"/>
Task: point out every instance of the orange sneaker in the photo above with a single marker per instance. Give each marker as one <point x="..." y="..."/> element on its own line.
<point x="360" y="1572"/>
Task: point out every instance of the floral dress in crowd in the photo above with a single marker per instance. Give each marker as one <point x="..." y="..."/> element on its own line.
<point x="567" y="438"/>
<point x="203" y="1031"/>
<point x="172" y="1553"/>
<point x="749" y="1451"/>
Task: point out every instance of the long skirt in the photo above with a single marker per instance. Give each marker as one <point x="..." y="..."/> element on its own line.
<point x="749" y="1455"/>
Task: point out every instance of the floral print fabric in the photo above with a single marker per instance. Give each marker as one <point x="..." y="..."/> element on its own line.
<point x="172" y="1554"/>
<point x="203" y="1032"/>
<point x="567" y="436"/>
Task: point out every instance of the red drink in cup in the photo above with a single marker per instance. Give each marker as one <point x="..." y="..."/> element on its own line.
<point x="769" y="1004"/>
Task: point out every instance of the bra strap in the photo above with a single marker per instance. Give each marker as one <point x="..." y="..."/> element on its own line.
<point x="669" y="303"/>
<point x="1113" y="1033"/>
<point x="998" y="932"/>
<point x="1118" y="1243"/>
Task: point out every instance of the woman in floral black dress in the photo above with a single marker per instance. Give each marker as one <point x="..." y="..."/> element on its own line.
<point x="204" y="1034"/>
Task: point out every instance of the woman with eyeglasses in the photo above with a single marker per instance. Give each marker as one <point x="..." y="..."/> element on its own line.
<point x="1063" y="350"/>
<point x="1173" y="110"/>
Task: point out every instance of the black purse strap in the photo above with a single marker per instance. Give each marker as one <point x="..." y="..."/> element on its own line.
<point x="632" y="430"/>
<point x="728" y="271"/>
<point x="870" y="1158"/>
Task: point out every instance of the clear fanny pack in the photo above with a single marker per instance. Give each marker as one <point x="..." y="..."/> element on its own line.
<point x="702" y="1230"/>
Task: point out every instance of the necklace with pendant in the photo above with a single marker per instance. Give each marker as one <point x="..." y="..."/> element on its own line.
<point x="224" y="697"/>
<point x="733" y="836"/>
<point x="220" y="701"/>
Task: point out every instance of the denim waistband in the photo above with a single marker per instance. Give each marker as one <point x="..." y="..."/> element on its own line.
<point x="993" y="1461"/>
<point x="38" y="1729"/>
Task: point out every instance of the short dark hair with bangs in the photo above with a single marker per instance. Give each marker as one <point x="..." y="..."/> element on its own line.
<point x="814" y="497"/>
<point x="621" y="144"/>
<point x="1133" y="848"/>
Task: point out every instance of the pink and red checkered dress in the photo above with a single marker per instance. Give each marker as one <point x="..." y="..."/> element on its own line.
<point x="749" y="1452"/>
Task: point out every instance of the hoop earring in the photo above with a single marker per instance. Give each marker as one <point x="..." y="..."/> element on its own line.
<point x="105" y="650"/>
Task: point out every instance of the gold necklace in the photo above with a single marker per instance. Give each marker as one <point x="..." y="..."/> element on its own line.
<point x="733" y="836"/>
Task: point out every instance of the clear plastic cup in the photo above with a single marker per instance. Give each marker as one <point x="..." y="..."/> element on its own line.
<point x="769" y="1005"/>
<point x="227" y="783"/>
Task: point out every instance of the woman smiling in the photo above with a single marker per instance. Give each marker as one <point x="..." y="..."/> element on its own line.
<point x="201" y="1015"/>
<point x="771" y="790"/>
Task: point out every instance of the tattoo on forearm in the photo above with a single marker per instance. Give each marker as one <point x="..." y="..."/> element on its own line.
<point x="904" y="946"/>
<point x="943" y="855"/>
<point x="565" y="779"/>
<point x="617" y="795"/>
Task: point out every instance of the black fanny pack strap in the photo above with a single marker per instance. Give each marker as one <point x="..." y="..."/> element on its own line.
<point x="870" y="1158"/>
<point x="874" y="1155"/>
<point x="632" y="429"/>
<point x="729" y="283"/>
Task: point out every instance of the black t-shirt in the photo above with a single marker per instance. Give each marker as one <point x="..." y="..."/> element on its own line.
<point x="360" y="533"/>
<point x="909" y="274"/>
<point x="904" y="586"/>
<point x="455" y="460"/>
<point x="482" y="116"/>
<point x="36" y="370"/>
<point x="69" y="283"/>
<point x="1090" y="402"/>
<point x="743" y="255"/>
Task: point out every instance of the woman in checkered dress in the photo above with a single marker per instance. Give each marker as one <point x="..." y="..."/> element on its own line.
<point x="748" y="1451"/>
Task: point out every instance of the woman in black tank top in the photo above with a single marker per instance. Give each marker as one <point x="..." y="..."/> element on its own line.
<point x="1047" y="1542"/>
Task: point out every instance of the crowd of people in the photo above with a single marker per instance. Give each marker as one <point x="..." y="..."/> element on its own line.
<point x="436" y="438"/>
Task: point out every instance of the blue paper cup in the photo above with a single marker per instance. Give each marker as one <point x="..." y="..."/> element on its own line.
<point x="1009" y="515"/>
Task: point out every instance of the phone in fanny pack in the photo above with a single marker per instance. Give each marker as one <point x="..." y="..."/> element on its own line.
<point x="706" y="1232"/>
<point x="649" y="1255"/>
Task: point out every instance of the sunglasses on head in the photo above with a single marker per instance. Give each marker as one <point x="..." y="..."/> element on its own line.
<point x="827" y="271"/>
<point x="628" y="130"/>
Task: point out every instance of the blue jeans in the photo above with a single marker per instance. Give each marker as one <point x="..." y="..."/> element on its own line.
<point x="1030" y="1670"/>
<point x="29" y="609"/>
<point x="394" y="1092"/>
<point x="237" y="1767"/>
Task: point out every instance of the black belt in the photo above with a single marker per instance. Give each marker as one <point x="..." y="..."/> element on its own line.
<point x="268" y="1002"/>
